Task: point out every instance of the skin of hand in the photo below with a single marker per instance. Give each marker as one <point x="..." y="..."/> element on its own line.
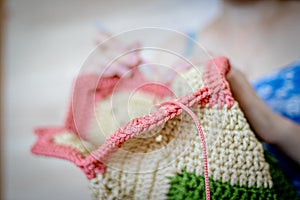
<point x="268" y="126"/>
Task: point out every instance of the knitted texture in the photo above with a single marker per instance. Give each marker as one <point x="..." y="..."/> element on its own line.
<point x="160" y="155"/>
<point x="190" y="186"/>
<point x="236" y="162"/>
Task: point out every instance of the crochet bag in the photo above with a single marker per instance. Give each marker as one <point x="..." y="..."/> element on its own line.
<point x="197" y="146"/>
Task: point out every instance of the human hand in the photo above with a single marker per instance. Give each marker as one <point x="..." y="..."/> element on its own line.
<point x="268" y="126"/>
<point x="262" y="120"/>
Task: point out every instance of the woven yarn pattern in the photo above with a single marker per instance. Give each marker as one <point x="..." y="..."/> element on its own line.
<point x="159" y="156"/>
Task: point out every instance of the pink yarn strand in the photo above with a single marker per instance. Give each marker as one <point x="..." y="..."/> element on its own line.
<point x="197" y="123"/>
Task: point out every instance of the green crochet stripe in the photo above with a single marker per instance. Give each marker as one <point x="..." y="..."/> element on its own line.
<point x="190" y="186"/>
<point x="281" y="186"/>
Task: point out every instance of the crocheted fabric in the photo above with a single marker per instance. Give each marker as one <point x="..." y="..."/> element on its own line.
<point x="159" y="156"/>
<point x="190" y="186"/>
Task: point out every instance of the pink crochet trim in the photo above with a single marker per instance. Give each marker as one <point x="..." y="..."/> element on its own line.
<point x="201" y="134"/>
<point x="45" y="146"/>
<point x="214" y="79"/>
<point x="89" y="89"/>
<point x="216" y="91"/>
<point x="86" y="90"/>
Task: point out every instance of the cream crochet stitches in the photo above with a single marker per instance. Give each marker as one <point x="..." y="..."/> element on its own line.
<point x="155" y="156"/>
<point x="234" y="155"/>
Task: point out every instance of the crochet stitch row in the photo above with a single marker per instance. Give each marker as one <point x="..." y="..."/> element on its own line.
<point x="168" y="162"/>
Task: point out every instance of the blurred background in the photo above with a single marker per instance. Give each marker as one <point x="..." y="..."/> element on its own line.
<point x="45" y="43"/>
